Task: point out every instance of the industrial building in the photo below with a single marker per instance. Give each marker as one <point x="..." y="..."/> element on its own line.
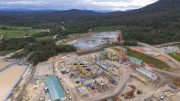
<point x="83" y="91"/>
<point x="115" y="53"/>
<point x="102" y="82"/>
<point x="171" y="49"/>
<point x="110" y="72"/>
<point x="147" y="73"/>
<point x="136" y="61"/>
<point x="54" y="88"/>
<point x="89" y="83"/>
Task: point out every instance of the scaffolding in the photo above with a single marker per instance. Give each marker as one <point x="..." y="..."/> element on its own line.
<point x="83" y="70"/>
<point x="115" y="53"/>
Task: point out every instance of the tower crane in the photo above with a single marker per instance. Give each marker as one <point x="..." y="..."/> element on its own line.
<point x="123" y="56"/>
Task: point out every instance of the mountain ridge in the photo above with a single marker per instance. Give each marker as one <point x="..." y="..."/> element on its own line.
<point x="160" y="19"/>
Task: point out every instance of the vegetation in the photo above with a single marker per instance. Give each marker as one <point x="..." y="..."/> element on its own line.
<point x="3" y="53"/>
<point x="16" y="32"/>
<point x="175" y="56"/>
<point x="154" y="24"/>
<point x="15" y="43"/>
<point x="148" y="59"/>
<point x="20" y="54"/>
<point x="65" y="48"/>
<point x="42" y="50"/>
<point x="130" y="43"/>
<point x="45" y="38"/>
<point x="178" y="45"/>
<point x="144" y="34"/>
<point x="40" y="44"/>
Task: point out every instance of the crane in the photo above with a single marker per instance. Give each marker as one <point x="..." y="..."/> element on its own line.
<point x="123" y="56"/>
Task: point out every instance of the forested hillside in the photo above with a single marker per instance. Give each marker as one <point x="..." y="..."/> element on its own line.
<point x="153" y="24"/>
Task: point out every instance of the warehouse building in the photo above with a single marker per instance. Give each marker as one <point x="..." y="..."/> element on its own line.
<point x="55" y="89"/>
<point x="148" y="74"/>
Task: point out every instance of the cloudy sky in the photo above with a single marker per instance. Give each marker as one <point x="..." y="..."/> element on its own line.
<point x="112" y="5"/>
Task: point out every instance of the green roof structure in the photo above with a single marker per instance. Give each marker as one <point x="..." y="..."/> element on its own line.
<point x="136" y="59"/>
<point x="55" y="89"/>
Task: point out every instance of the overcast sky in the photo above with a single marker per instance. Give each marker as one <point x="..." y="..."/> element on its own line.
<point x="111" y="5"/>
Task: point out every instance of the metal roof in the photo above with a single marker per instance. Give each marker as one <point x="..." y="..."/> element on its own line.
<point x="136" y="59"/>
<point x="147" y="73"/>
<point x="55" y="89"/>
<point x="83" y="90"/>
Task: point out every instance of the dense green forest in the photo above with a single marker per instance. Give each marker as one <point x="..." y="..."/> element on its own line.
<point x="38" y="46"/>
<point x="41" y="50"/>
<point x="15" y="43"/>
<point x="154" y="24"/>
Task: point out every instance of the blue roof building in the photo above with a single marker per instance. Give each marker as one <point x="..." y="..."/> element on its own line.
<point x="55" y="89"/>
<point x="136" y="59"/>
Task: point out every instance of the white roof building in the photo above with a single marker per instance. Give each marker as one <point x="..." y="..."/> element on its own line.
<point x="83" y="90"/>
<point x="147" y="73"/>
<point x="171" y="49"/>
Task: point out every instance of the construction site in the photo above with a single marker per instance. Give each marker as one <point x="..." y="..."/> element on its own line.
<point x="108" y="74"/>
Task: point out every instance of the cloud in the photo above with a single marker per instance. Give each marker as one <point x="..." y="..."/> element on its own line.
<point x="11" y="3"/>
<point x="76" y="4"/>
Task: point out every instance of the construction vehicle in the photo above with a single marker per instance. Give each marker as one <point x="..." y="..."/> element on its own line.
<point x="115" y="98"/>
<point x="130" y="94"/>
